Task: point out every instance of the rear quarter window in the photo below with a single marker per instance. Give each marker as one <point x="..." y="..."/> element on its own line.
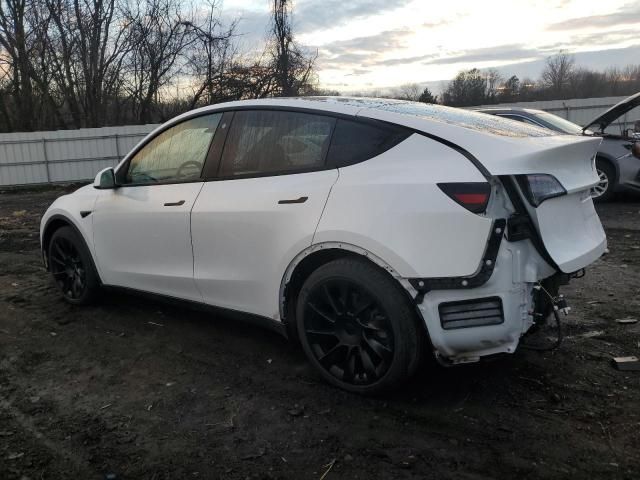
<point x="355" y="142"/>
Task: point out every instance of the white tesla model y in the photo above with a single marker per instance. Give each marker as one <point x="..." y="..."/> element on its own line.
<point x="368" y="230"/>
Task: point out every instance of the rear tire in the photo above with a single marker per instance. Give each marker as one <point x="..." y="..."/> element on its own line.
<point x="604" y="190"/>
<point x="72" y="268"/>
<point x="357" y="327"/>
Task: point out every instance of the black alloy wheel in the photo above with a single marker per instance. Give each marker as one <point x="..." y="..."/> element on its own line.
<point x="357" y="326"/>
<point x="349" y="332"/>
<point x="71" y="267"/>
<point x="67" y="268"/>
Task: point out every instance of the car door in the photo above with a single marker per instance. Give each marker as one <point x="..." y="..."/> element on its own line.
<point x="141" y="230"/>
<point x="262" y="208"/>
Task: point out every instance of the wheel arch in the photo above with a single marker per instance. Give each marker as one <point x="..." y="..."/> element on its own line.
<point x="54" y="223"/>
<point x="313" y="257"/>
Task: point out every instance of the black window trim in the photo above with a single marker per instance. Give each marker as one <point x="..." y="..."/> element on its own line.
<point x="366" y="120"/>
<point x="317" y="112"/>
<point x="206" y="175"/>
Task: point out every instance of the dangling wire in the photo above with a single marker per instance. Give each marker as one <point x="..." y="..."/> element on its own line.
<point x="554" y="303"/>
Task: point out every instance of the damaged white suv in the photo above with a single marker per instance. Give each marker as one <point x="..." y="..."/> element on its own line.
<point x="366" y="229"/>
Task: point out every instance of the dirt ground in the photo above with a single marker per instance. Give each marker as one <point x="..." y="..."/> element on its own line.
<point x="136" y="389"/>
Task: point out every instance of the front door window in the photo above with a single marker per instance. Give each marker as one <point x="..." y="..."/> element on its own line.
<point x="175" y="155"/>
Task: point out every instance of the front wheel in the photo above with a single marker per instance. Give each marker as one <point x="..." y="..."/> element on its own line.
<point x="71" y="267"/>
<point x="357" y="327"/>
<point x="603" y="191"/>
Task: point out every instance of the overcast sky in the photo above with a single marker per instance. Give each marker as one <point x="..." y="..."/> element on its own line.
<point x="364" y="44"/>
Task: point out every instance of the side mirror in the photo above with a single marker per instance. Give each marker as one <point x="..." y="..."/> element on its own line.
<point x="635" y="149"/>
<point x="105" y="179"/>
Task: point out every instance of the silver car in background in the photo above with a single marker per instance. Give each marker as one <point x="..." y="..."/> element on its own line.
<point x="618" y="158"/>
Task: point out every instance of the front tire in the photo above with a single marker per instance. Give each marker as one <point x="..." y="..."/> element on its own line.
<point x="604" y="190"/>
<point x="357" y="327"/>
<point x="71" y="267"/>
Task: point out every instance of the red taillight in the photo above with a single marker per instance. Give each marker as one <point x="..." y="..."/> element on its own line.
<point x="473" y="196"/>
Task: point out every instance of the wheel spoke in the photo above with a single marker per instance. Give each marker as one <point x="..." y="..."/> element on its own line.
<point x="326" y="359"/>
<point x="368" y="365"/>
<point x="330" y="300"/>
<point x="321" y="313"/>
<point x="344" y="296"/>
<point x="602" y="186"/>
<point x="75" y="287"/>
<point x="57" y="260"/>
<point x="320" y="333"/>
<point x="349" y="365"/>
<point x="59" y="250"/>
<point x="362" y="309"/>
<point x="380" y="350"/>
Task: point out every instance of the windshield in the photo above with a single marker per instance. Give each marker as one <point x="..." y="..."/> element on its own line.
<point x="560" y="123"/>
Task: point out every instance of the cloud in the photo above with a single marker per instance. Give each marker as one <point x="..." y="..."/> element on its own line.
<point x="362" y="51"/>
<point x="629" y="14"/>
<point x="359" y="71"/>
<point x="502" y="52"/>
<point x="315" y="15"/>
<point x="595" y="59"/>
<point x="390" y="62"/>
<point x="604" y="38"/>
<point x="252" y="26"/>
<point x="590" y="40"/>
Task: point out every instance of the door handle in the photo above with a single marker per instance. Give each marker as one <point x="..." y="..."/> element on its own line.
<point x="295" y="200"/>
<point x="174" y="204"/>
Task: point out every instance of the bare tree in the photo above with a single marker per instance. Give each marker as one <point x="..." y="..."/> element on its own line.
<point x="6" y="122"/>
<point x="249" y="78"/>
<point x="469" y="87"/>
<point x="15" y="39"/>
<point x="292" y="68"/>
<point x="494" y="79"/>
<point x="88" y="43"/>
<point x="409" y="91"/>
<point x="558" y="71"/>
<point x="210" y="56"/>
<point x="160" y="34"/>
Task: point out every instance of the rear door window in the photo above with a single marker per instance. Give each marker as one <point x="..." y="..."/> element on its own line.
<point x="355" y="142"/>
<point x="266" y="142"/>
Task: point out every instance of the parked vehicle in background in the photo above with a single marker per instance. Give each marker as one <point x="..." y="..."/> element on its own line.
<point x="618" y="158"/>
<point x="366" y="229"/>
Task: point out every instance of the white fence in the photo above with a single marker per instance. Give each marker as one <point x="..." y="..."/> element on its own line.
<point x="64" y="155"/>
<point x="580" y="110"/>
